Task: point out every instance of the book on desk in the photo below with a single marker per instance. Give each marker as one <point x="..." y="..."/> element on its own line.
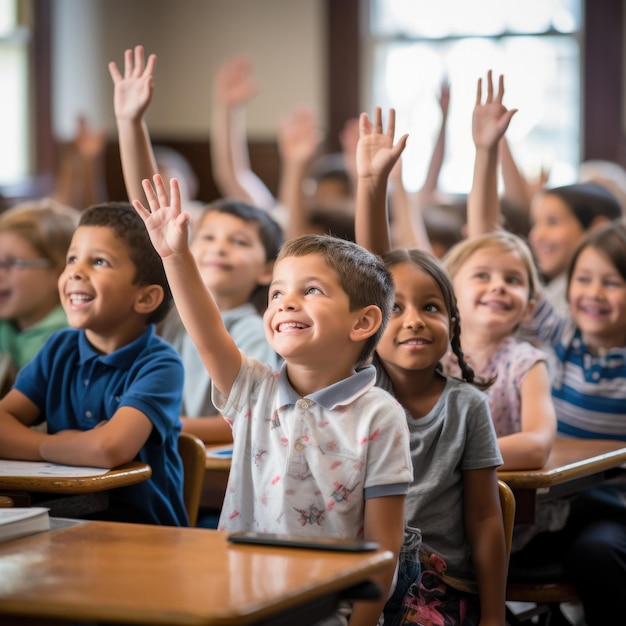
<point x="21" y="521"/>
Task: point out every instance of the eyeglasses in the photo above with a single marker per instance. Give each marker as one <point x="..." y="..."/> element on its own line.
<point x="24" y="264"/>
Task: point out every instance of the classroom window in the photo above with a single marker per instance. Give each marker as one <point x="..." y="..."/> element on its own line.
<point x="414" y="44"/>
<point x="14" y="130"/>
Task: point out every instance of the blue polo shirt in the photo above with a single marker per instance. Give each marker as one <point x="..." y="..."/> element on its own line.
<point x="76" y="387"/>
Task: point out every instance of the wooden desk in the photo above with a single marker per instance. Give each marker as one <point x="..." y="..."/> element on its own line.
<point x="140" y="574"/>
<point x="121" y="476"/>
<point x="93" y="490"/>
<point x="573" y="465"/>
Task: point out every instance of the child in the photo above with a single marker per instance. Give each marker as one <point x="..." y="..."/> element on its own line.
<point x="234" y="244"/>
<point x="496" y="285"/>
<point x="589" y="353"/>
<point x="34" y="238"/>
<point x="454" y="499"/>
<point x="317" y="449"/>
<point x="589" y="394"/>
<point x="109" y="389"/>
<point x="560" y="217"/>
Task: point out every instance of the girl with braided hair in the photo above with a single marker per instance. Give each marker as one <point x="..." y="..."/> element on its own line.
<point x="453" y="518"/>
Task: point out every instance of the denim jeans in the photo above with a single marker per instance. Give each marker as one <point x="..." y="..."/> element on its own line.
<point x="408" y="572"/>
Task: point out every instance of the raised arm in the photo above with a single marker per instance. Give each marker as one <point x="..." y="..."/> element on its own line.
<point x="489" y="123"/>
<point x="408" y="229"/>
<point x="80" y="179"/>
<point x="517" y="188"/>
<point x="299" y="140"/>
<point x="234" y="87"/>
<point x="132" y="96"/>
<point x="168" y="229"/>
<point x="375" y="157"/>
<point x="426" y="195"/>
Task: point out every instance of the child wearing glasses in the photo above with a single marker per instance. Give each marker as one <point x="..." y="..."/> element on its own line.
<point x="34" y="238"/>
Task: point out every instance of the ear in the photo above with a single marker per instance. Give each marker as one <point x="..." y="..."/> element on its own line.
<point x="148" y="299"/>
<point x="530" y="307"/>
<point x="367" y="322"/>
<point x="453" y="324"/>
<point x="265" y="277"/>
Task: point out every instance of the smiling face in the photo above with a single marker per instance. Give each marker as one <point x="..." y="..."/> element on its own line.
<point x="27" y="294"/>
<point x="231" y="258"/>
<point x="597" y="297"/>
<point x="418" y="333"/>
<point x="492" y="289"/>
<point x="554" y="235"/>
<point x="98" y="292"/>
<point x="308" y="318"/>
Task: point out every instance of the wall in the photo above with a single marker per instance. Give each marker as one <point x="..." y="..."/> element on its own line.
<point x="190" y="37"/>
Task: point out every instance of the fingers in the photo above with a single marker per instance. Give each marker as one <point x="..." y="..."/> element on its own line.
<point x="479" y="91"/>
<point x="365" y="128"/>
<point x="489" y="86"/>
<point x="114" y="72"/>
<point x="378" y="121"/>
<point x="391" y="123"/>
<point x="151" y="196"/>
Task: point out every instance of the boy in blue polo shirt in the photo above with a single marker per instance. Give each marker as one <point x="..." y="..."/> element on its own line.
<point x="109" y="388"/>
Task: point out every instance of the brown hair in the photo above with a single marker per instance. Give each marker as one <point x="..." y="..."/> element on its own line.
<point x="362" y="275"/>
<point x="47" y="225"/>
<point x="499" y="239"/>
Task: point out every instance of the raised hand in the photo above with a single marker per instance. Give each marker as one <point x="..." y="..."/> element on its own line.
<point x="234" y="83"/>
<point x="88" y="143"/>
<point x="376" y="153"/>
<point x="167" y="225"/>
<point x="133" y="91"/>
<point x="299" y="136"/>
<point x="491" y="118"/>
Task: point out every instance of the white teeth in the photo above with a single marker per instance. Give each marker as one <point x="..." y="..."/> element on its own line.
<point x="77" y="298"/>
<point x="289" y="326"/>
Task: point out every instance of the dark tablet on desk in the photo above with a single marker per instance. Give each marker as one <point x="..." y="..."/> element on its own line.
<point x="302" y="541"/>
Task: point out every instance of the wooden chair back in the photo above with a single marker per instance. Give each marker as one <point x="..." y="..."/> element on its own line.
<point x="193" y="454"/>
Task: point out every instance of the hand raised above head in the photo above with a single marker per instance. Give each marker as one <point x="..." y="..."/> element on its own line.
<point x="167" y="225"/>
<point x="376" y="153"/>
<point x="133" y="91"/>
<point x="491" y="118"/>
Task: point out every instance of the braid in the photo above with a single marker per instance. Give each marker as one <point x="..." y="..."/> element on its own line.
<point x="467" y="372"/>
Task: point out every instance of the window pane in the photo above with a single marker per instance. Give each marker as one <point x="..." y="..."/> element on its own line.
<point x="8" y="16"/>
<point x="542" y="80"/>
<point x="13" y="121"/>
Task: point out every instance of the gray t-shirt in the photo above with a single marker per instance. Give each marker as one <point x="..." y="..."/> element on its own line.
<point x="244" y="325"/>
<point x="457" y="435"/>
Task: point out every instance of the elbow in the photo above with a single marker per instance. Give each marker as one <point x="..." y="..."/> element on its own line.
<point x="108" y="455"/>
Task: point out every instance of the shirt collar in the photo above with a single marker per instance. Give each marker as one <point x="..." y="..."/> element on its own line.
<point x="123" y="357"/>
<point x="340" y="393"/>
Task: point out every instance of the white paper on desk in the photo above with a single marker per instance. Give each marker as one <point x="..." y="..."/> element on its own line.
<point x="43" y="468"/>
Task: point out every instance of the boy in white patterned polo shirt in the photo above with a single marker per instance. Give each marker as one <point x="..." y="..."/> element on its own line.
<point x="318" y="449"/>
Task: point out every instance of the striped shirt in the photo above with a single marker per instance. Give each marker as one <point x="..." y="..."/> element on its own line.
<point x="588" y="390"/>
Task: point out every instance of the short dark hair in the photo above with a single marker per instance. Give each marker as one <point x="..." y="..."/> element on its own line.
<point x="587" y="201"/>
<point x="362" y="275"/>
<point x="126" y="224"/>
<point x="270" y="234"/>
